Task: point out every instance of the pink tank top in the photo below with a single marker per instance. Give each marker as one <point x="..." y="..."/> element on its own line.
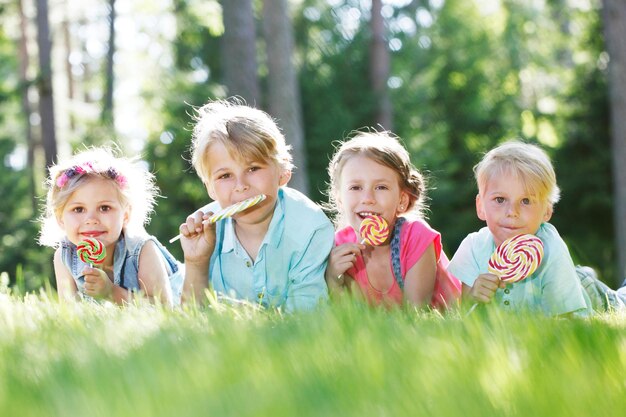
<point x="415" y="237"/>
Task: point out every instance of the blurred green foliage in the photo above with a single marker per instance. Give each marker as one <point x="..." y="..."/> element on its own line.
<point x="465" y="76"/>
<point x="26" y="263"/>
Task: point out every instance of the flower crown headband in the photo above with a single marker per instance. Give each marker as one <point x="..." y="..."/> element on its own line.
<point x="88" y="168"/>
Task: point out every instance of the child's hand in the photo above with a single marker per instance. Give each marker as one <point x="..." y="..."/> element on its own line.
<point x="97" y="283"/>
<point x="485" y="287"/>
<point x="197" y="237"/>
<point x="342" y="258"/>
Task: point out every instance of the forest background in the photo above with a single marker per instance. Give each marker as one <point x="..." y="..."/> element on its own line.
<point x="452" y="78"/>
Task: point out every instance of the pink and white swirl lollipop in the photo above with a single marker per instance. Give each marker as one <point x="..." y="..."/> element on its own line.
<point x="516" y="258"/>
<point x="374" y="230"/>
<point x="91" y="251"/>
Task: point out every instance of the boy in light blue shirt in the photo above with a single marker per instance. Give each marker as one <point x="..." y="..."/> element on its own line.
<point x="273" y="253"/>
<point x="517" y="191"/>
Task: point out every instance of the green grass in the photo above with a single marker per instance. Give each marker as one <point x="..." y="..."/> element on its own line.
<point x="342" y="360"/>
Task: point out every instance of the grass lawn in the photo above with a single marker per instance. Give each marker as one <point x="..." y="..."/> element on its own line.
<point x="341" y="360"/>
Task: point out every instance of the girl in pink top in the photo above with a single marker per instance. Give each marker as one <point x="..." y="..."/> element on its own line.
<point x="371" y="174"/>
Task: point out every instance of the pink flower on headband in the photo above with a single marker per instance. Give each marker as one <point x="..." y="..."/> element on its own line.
<point x="119" y="178"/>
<point x="71" y="172"/>
<point x="88" y="167"/>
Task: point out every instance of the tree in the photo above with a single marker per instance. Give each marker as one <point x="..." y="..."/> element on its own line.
<point x="238" y="50"/>
<point x="107" y="108"/>
<point x="283" y="89"/>
<point x="46" y="101"/>
<point x="379" y="67"/>
<point x="615" y="33"/>
<point x="24" y="61"/>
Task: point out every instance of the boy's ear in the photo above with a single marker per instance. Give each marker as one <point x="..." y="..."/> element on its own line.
<point x="284" y="178"/>
<point x="480" y="211"/>
<point x="548" y="215"/>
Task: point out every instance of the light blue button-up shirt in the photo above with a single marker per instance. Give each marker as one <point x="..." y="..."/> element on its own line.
<point x="289" y="269"/>
<point x="553" y="288"/>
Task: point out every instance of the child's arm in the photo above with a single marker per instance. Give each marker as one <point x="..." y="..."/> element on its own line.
<point x="419" y="282"/>
<point x="198" y="243"/>
<point x="307" y="285"/>
<point x="66" y="287"/>
<point x="152" y="274"/>
<point x="341" y="259"/>
<point x="477" y="287"/>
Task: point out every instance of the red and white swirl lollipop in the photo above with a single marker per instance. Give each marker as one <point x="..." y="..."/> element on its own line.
<point x="374" y="230"/>
<point x="516" y="258"/>
<point x="91" y="251"/>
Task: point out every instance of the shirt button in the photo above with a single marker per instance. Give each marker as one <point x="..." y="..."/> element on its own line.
<point x="507" y="291"/>
<point x="248" y="264"/>
<point x="506" y="303"/>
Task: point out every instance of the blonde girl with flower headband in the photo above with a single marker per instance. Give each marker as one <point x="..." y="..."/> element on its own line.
<point x="96" y="194"/>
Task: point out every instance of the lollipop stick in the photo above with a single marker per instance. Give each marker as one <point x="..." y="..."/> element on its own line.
<point x="472" y="308"/>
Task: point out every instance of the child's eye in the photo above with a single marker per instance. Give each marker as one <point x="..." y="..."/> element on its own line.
<point x="223" y="177"/>
<point x="382" y="187"/>
<point x="105" y="208"/>
<point x="254" y="168"/>
<point x="354" y="188"/>
<point x="526" y="201"/>
<point x="78" y="210"/>
<point x="499" y="200"/>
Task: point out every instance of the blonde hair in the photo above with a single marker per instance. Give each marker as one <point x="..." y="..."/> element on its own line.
<point x="135" y="186"/>
<point x="247" y="133"/>
<point x="528" y="162"/>
<point x="383" y="148"/>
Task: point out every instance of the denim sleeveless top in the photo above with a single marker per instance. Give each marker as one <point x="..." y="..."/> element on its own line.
<point x="125" y="265"/>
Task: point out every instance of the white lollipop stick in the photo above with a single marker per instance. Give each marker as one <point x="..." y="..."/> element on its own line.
<point x="229" y="211"/>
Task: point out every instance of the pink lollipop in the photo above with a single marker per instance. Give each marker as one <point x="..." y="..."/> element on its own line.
<point x="374" y="230"/>
<point x="91" y="251"/>
<point x="516" y="258"/>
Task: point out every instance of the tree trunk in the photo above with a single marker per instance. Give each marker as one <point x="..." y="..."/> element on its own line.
<point x="379" y="67"/>
<point x="46" y="102"/>
<point x="68" y="68"/>
<point x="24" y="61"/>
<point x="283" y="89"/>
<point x="107" y="108"/>
<point x="239" y="51"/>
<point x="615" y="33"/>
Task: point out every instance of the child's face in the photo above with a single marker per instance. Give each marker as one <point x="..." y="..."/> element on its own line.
<point x="509" y="209"/>
<point x="94" y="210"/>
<point x="232" y="180"/>
<point x="367" y="187"/>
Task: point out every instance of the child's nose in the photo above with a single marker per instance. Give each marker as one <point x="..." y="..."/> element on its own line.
<point x="512" y="210"/>
<point x="241" y="185"/>
<point x="92" y="217"/>
<point x="368" y="197"/>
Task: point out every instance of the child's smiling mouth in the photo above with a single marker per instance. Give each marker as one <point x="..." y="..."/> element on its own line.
<point x="365" y="214"/>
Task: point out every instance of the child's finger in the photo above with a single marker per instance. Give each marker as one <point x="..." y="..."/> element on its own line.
<point x="194" y="222"/>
